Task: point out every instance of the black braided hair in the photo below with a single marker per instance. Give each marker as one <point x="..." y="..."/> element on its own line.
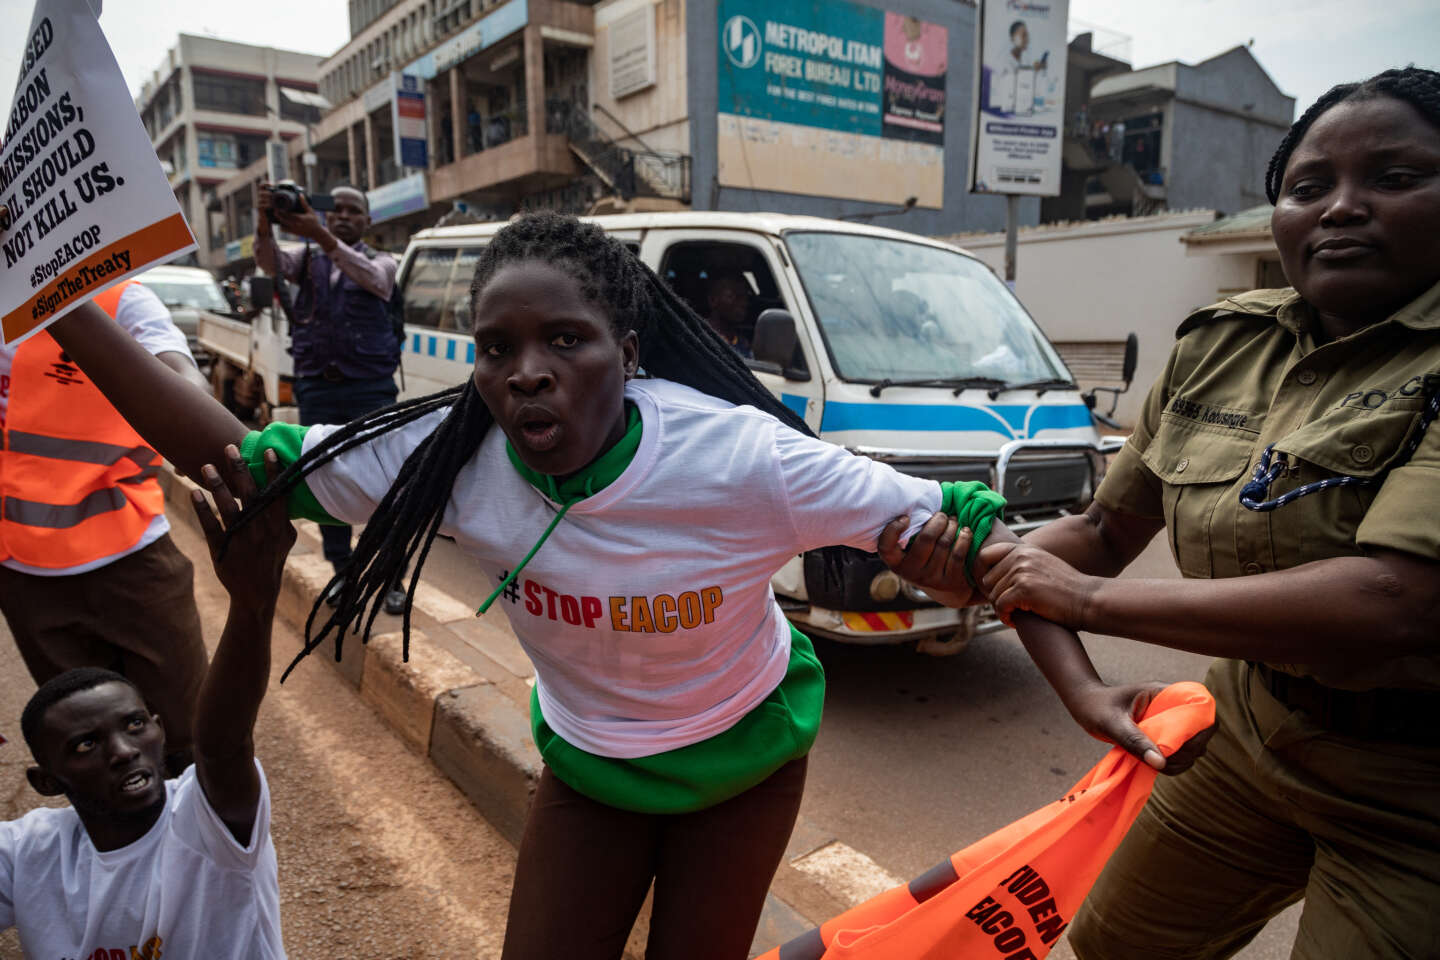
<point x="1416" y="86"/>
<point x="675" y="343"/>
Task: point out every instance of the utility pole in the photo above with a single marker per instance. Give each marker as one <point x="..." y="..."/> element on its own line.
<point x="1012" y="230"/>
<point x="309" y="159"/>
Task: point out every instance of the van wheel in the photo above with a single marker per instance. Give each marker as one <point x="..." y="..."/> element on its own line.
<point x="956" y="642"/>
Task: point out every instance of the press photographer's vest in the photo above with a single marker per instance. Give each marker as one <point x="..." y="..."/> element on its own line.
<point x="77" y="484"/>
<point x="348" y="330"/>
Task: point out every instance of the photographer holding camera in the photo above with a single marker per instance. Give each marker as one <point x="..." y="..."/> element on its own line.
<point x="343" y="338"/>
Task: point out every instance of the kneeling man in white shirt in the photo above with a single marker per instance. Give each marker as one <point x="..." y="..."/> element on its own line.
<point x="139" y="866"/>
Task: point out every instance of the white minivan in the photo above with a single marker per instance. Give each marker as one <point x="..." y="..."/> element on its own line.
<point x="892" y="345"/>
<point x="895" y="346"/>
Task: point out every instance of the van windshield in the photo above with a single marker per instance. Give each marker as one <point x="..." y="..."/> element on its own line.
<point x="898" y="311"/>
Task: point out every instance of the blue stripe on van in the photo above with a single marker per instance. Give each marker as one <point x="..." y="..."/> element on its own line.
<point x="470" y="353"/>
<point x="1008" y="420"/>
<point x="415" y="343"/>
<point x="431" y="350"/>
<point x="795" y="402"/>
<point x="449" y="349"/>
<point x="1057" y="417"/>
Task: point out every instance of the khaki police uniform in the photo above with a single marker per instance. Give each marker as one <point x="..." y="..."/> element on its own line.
<point x="1323" y="782"/>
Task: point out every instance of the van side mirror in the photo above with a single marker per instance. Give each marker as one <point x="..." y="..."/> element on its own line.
<point x="774" y="344"/>
<point x="1127" y="374"/>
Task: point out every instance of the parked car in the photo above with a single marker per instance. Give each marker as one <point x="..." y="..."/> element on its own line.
<point x="189" y="293"/>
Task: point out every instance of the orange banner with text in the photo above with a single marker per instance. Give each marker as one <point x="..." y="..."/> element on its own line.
<point x="1011" y="895"/>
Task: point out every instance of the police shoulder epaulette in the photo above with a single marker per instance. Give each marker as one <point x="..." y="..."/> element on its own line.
<point x="1254" y="303"/>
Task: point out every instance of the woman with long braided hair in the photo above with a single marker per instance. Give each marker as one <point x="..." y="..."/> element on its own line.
<point x="1290" y="455"/>
<point x="630" y="527"/>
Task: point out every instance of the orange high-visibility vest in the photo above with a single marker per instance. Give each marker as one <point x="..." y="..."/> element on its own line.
<point x="77" y="483"/>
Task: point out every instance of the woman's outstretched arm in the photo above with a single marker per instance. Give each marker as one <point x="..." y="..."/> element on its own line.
<point x="188" y="428"/>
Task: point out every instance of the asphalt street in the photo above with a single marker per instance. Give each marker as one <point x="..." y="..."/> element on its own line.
<point x="380" y="857"/>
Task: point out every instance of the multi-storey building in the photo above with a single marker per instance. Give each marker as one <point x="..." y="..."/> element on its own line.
<point x="210" y="108"/>
<point x="1172" y="136"/>
<point x="857" y="108"/>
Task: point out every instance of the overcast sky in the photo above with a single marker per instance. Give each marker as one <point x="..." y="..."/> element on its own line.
<point x="1306" y="45"/>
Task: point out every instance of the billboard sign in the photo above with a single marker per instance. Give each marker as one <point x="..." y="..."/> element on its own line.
<point x="480" y="35"/>
<point x="1020" y="88"/>
<point x="277" y="158"/>
<point x="632" y="52"/>
<point x="406" y="195"/>
<point x="408" y="121"/>
<point x="836" y="100"/>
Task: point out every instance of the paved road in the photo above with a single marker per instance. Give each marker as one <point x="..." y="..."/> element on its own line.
<point x="380" y="857"/>
<point x="920" y="756"/>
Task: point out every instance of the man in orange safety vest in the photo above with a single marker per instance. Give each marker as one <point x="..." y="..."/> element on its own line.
<point x="88" y="573"/>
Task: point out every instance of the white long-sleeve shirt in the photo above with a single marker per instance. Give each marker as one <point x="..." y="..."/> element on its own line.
<point x="375" y="275"/>
<point x="648" y="613"/>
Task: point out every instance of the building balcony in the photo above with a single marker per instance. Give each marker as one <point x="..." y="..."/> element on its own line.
<point x="522" y="164"/>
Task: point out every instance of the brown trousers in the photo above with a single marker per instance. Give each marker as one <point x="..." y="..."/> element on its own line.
<point x="136" y="616"/>
<point x="585" y="867"/>
<point x="1278" y="809"/>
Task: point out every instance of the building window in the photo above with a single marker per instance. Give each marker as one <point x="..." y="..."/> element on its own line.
<point x="243" y="95"/>
<point x="215" y="151"/>
<point x="1141" y="144"/>
<point x="298" y="112"/>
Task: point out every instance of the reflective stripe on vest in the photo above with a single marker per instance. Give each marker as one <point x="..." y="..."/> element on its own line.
<point x="77" y="483"/>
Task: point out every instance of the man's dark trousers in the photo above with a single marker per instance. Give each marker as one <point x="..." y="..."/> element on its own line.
<point x="340" y="401"/>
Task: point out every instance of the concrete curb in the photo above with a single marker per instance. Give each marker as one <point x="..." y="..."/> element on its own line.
<point x="462" y="700"/>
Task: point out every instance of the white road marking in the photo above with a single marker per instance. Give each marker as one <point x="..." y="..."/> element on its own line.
<point x="846" y="872"/>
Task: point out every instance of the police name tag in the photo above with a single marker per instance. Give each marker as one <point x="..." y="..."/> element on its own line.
<point x="88" y="202"/>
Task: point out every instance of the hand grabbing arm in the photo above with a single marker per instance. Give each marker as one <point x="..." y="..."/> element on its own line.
<point x="249" y="566"/>
<point x="935" y="560"/>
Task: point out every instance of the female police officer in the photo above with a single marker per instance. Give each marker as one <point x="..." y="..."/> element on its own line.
<point x="1321" y="598"/>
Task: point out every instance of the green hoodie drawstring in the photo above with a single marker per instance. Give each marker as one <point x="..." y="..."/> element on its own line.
<point x="554" y="494"/>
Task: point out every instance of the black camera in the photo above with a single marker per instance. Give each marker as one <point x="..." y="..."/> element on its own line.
<point x="287" y="197"/>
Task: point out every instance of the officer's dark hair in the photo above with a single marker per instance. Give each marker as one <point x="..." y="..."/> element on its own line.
<point x="1416" y="86"/>
<point x="1016" y="26"/>
<point x="675" y="343"/>
<point x="57" y="688"/>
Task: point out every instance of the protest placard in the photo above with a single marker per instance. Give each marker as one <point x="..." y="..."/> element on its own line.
<point x="88" y="202"/>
